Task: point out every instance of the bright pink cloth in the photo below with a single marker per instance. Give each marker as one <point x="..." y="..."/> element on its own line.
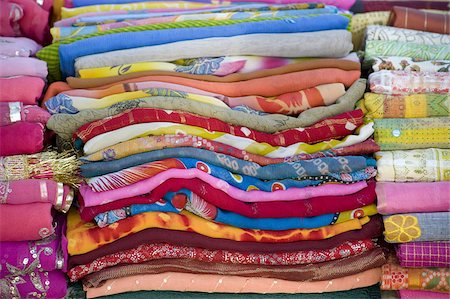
<point x="23" y="66"/>
<point x="18" y="46"/>
<point x="15" y="111"/>
<point x="21" y="138"/>
<point x="23" y="89"/>
<point x="396" y="198"/>
<point x="26" y="222"/>
<point x="10" y="14"/>
<point x="344" y="4"/>
<point x="409" y="294"/>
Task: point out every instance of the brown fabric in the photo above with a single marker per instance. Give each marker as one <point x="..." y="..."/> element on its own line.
<point x="404" y="17"/>
<point x="372" y="229"/>
<point x="346" y="65"/>
<point x="312" y="272"/>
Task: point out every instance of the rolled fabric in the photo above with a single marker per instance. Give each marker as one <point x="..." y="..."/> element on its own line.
<point x="15" y="112"/>
<point x="406" y="106"/>
<point x="50" y="253"/>
<point x="410" y="18"/>
<point x="412" y="133"/>
<point x="248" y="44"/>
<point x="231" y="284"/>
<point x="84" y="237"/>
<point x="409" y="64"/>
<point x="429" y="279"/>
<point x="424" y="254"/>
<point x="260" y="210"/>
<point x="397" y="198"/>
<point x="404" y="228"/>
<point x="339" y="126"/>
<point x="32" y="138"/>
<point x="410" y="294"/>
<point x="12" y="89"/>
<point x="403" y="83"/>
<point x="35" y="221"/>
<point x="96" y="45"/>
<point x="313" y="272"/>
<point x="32" y="191"/>
<point x="22" y="66"/>
<point x="419" y="36"/>
<point x="18" y="46"/>
<point x="184" y="238"/>
<point x="422" y="165"/>
<point x="419" y="51"/>
<point x="377" y="5"/>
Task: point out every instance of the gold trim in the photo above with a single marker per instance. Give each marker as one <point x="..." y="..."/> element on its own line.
<point x="59" y="196"/>
<point x="69" y="200"/>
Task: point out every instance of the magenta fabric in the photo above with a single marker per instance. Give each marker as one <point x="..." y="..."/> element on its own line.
<point x="424" y="254"/>
<point x="344" y="4"/>
<point x="31" y="139"/>
<point x="396" y="198"/>
<point x="23" y="66"/>
<point x="10" y="14"/>
<point x="410" y="294"/>
<point x="18" y="46"/>
<point x="32" y="191"/>
<point x="15" y="111"/>
<point x="26" y="222"/>
<point x="12" y="89"/>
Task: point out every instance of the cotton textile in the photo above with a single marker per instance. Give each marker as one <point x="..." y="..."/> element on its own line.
<point x="231" y="284"/>
<point x="404" y="17"/>
<point x="148" y="252"/>
<point x="403" y="83"/>
<point x="419" y="51"/>
<point x="407" y="106"/>
<point x="423" y="165"/>
<point x="409" y="64"/>
<point x="18" y="46"/>
<point x="419" y="36"/>
<point x="22" y="66"/>
<point x="397" y="198"/>
<point x="409" y="294"/>
<point x="424" y="254"/>
<point x="15" y="112"/>
<point x="412" y="133"/>
<point x="12" y="89"/>
<point x="403" y="228"/>
<point x="32" y="140"/>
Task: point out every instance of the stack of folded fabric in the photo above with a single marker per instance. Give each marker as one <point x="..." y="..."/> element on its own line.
<point x="33" y="248"/>
<point x="409" y="103"/>
<point x="211" y="168"/>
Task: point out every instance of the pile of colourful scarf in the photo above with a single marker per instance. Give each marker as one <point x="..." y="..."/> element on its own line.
<point x="33" y="193"/>
<point x="219" y="156"/>
<point x="409" y="103"/>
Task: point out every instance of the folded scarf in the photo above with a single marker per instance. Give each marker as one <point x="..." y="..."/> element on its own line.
<point x="15" y="112"/>
<point x="395" y="277"/>
<point x="35" y="221"/>
<point x="282" y="45"/>
<point x="401" y="82"/>
<point x="22" y="66"/>
<point x="372" y="229"/>
<point x="292" y="169"/>
<point x="412" y="133"/>
<point x="403" y="228"/>
<point x="46" y="284"/>
<point x="165" y="251"/>
<point x="156" y="173"/>
<point x="60" y="167"/>
<point x="12" y="89"/>
<point x="153" y="143"/>
<point x="18" y="46"/>
<point x="34" y="191"/>
<point x="86" y="237"/>
<point x="394" y="48"/>
<point x="420" y="20"/>
<point x="423" y="165"/>
<point x="419" y="36"/>
<point x="424" y="254"/>
<point x="409" y="294"/>
<point x="257" y="210"/>
<point x="336" y="127"/>
<point x="31" y="141"/>
<point x="409" y="64"/>
<point x="242" y="143"/>
<point x="407" y="106"/>
<point x="22" y="258"/>
<point x="396" y="198"/>
<point x="95" y="45"/>
<point x="230" y="284"/>
<point x="184" y="199"/>
<point x="312" y="272"/>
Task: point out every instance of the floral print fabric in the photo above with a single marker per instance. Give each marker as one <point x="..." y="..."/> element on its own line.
<point x="409" y="64"/>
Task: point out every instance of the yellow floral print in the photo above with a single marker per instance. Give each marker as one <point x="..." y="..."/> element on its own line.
<point x="401" y="228"/>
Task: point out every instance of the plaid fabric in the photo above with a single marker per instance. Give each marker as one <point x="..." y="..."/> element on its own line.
<point x="424" y="254"/>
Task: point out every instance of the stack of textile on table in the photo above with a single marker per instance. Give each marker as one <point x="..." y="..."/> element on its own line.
<point x="211" y="168"/>
<point x="409" y="103"/>
<point x="33" y="249"/>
